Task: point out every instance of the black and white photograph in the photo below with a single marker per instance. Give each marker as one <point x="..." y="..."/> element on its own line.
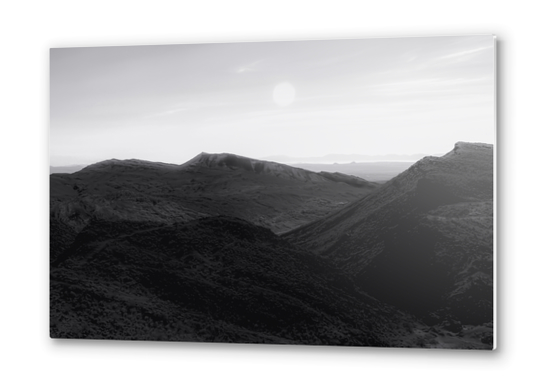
<point x="332" y="192"/>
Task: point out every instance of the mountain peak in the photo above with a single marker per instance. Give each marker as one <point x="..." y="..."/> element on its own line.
<point x="232" y="162"/>
<point x="465" y="148"/>
<point x="215" y="158"/>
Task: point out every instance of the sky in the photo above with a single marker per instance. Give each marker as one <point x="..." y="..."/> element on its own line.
<point x="169" y="103"/>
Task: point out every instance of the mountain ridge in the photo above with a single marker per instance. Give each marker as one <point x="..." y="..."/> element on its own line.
<point x="269" y="194"/>
<point x="269" y="167"/>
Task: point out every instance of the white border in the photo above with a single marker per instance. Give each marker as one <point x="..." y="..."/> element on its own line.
<point x="29" y="29"/>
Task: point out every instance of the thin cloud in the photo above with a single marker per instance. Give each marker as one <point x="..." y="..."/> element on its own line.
<point x="248" y="68"/>
<point x="167" y="112"/>
<point x="464" y="53"/>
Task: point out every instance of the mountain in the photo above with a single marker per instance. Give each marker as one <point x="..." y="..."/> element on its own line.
<point x="376" y="171"/>
<point x="273" y="195"/>
<point x="341" y="158"/>
<point x="211" y="279"/>
<point x="423" y="242"/>
<point x="226" y="248"/>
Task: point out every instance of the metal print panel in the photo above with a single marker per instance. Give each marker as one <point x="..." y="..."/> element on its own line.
<point x="333" y="192"/>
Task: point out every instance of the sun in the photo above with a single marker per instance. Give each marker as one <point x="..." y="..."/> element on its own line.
<point x="284" y="94"/>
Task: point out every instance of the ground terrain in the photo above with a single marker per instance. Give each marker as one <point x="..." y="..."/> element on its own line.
<point x="230" y="249"/>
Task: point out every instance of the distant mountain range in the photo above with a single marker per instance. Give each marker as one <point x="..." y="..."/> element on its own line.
<point x="340" y="158"/>
<point x="232" y="249"/>
<point x="377" y="171"/>
<point x="371" y="168"/>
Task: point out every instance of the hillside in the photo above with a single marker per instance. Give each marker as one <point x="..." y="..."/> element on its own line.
<point x="212" y="279"/>
<point x="423" y="241"/>
<point x="269" y="194"/>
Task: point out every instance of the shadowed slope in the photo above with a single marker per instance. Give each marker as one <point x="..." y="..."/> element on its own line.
<point x="213" y="279"/>
<point x="423" y="241"/>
